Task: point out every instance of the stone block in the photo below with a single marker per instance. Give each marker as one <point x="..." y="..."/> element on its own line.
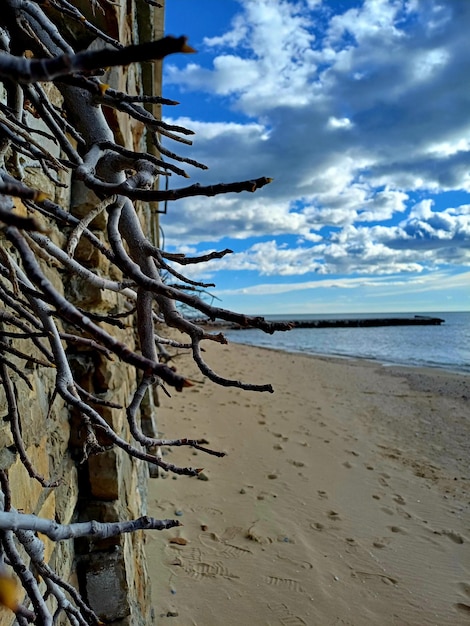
<point x="82" y="201"/>
<point x="47" y="510"/>
<point x="104" y="474"/>
<point x="87" y="254"/>
<point x="6" y="438"/>
<point x="26" y="492"/>
<point x="66" y="494"/>
<point x="88" y="296"/>
<point x="106" y="585"/>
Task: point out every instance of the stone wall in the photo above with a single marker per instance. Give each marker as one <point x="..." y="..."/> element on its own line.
<point x="108" y="486"/>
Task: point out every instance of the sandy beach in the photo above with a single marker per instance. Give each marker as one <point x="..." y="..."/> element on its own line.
<point x="344" y="497"/>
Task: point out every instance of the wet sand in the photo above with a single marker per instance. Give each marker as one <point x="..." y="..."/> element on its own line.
<point x="344" y="497"/>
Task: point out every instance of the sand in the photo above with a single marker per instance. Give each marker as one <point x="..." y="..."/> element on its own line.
<point x="343" y="499"/>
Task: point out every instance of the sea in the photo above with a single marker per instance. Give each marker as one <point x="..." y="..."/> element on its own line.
<point x="446" y="346"/>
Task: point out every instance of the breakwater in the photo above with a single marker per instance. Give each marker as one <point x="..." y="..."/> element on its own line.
<point x="417" y="320"/>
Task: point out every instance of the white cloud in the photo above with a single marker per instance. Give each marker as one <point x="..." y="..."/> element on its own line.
<point x="425" y="65"/>
<point x="425" y="239"/>
<point x="206" y="220"/>
<point x="209" y="131"/>
<point x="375" y="19"/>
<point x="387" y="285"/>
<point x="349" y="114"/>
<point x="275" y="57"/>
<point x="336" y="122"/>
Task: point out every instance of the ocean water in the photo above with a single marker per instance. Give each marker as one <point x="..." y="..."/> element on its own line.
<point x="446" y="346"/>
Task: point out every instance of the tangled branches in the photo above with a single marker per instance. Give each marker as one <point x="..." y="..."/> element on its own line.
<point x="56" y="117"/>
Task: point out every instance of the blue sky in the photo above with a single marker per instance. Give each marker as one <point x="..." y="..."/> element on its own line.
<point x="360" y="112"/>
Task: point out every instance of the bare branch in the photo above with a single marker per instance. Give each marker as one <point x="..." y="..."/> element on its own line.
<point x="154" y="195"/>
<point x="34" y="70"/>
<point x="15" y="521"/>
<point x="182" y="259"/>
<point x="14" y="419"/>
<point x="70" y="135"/>
<point x="69" y="312"/>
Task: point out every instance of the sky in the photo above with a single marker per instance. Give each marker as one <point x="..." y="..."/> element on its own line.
<point x="360" y="112"/>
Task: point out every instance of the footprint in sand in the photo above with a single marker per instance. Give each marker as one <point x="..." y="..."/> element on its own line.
<point x="303" y="564"/>
<point x="296" y="463"/>
<point x="453" y="536"/>
<point x="383" y="577"/>
<point x="263" y="495"/>
<point x="232" y="551"/>
<point x="281" y="436"/>
<point x="333" y="515"/>
<point x="208" y="570"/>
<point x="225" y="543"/>
<point x="231" y="533"/>
<point x="464" y="607"/>
<point x="465" y="587"/>
<point x="387" y="510"/>
<point x="258" y="533"/>
<point x="285" y="615"/>
<point x="289" y="583"/>
<point x="381" y="543"/>
<point x="398" y="530"/>
<point x="212" y="510"/>
<point x="185" y="555"/>
<point x="383" y="479"/>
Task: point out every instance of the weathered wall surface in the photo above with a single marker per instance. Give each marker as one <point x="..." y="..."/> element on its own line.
<point x="108" y="486"/>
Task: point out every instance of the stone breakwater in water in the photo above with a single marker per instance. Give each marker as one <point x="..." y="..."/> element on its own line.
<point x="417" y="320"/>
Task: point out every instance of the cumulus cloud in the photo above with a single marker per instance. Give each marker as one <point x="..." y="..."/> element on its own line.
<point x="387" y="286"/>
<point x="425" y="239"/>
<point x="350" y="113"/>
<point x="273" y="54"/>
<point x="445" y="233"/>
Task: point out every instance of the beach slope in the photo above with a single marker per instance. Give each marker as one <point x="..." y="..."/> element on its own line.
<point x="343" y="498"/>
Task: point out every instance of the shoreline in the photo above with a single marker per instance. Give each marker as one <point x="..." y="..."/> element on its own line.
<point x="320" y="355"/>
<point x="344" y="497"/>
